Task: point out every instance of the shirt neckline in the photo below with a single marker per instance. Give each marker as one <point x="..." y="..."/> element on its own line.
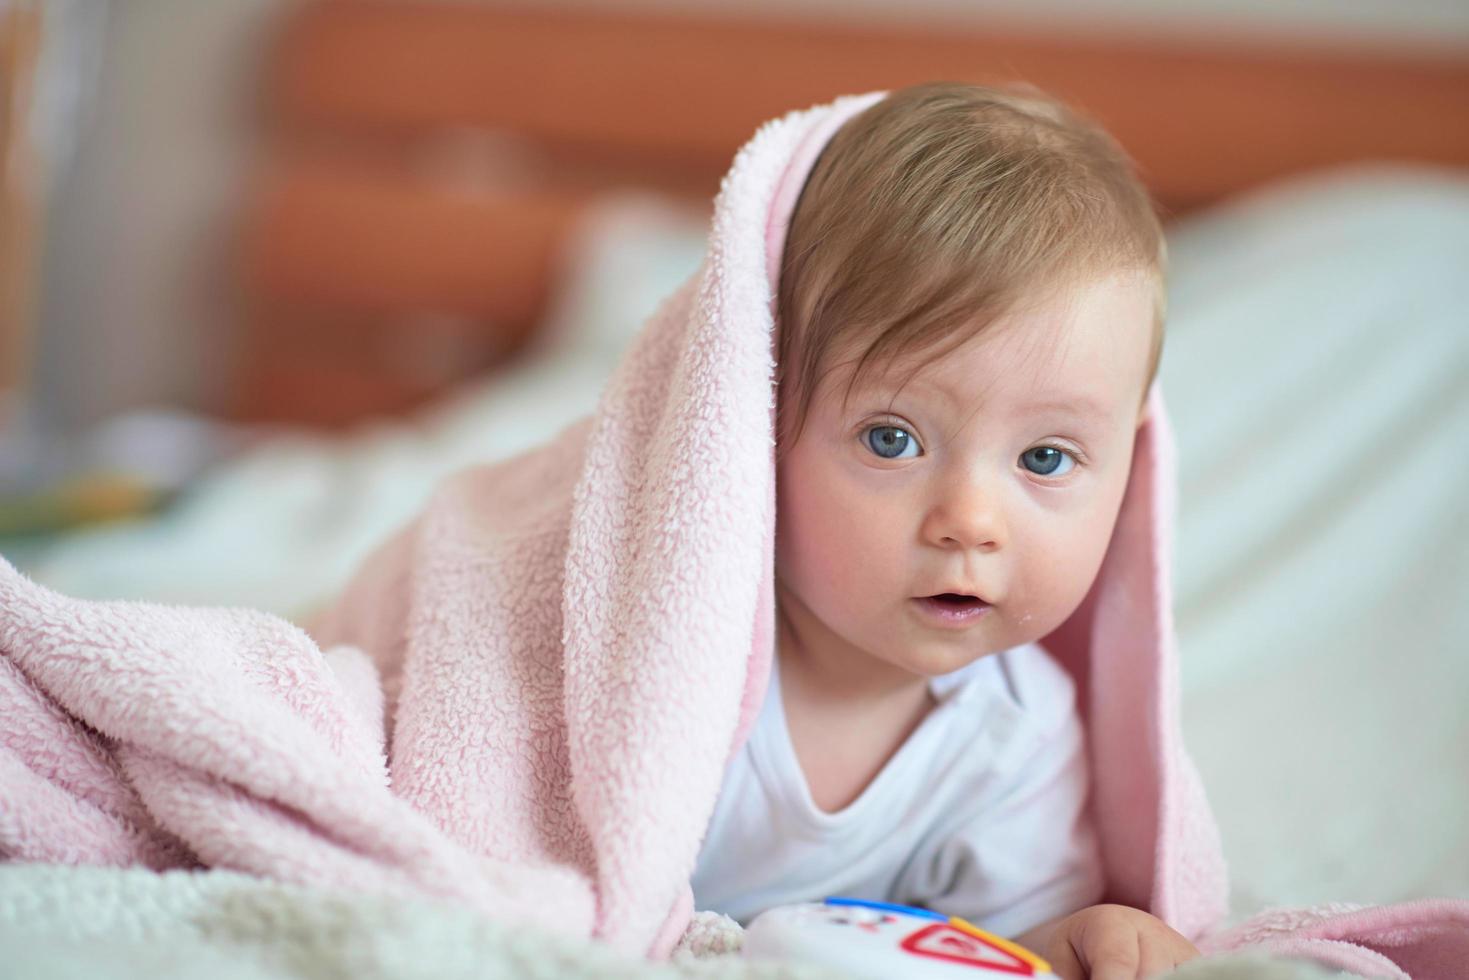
<point x="783" y="768"/>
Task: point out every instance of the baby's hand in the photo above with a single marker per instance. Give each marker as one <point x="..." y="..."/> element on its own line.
<point x="1111" y="942"/>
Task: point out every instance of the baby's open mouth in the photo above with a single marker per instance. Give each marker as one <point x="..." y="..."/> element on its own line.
<point x="952" y="608"/>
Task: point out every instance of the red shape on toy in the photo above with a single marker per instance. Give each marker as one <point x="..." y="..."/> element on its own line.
<point x="944" y="942"/>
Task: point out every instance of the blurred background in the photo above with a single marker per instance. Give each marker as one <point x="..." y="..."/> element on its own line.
<point x="269" y="269"/>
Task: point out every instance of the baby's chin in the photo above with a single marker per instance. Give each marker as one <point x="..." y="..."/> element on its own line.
<point x="930" y="653"/>
<point x="935" y="659"/>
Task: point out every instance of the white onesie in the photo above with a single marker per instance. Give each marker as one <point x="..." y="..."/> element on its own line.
<point x="981" y="813"/>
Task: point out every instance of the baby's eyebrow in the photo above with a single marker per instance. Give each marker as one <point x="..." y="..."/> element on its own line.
<point x="1081" y="406"/>
<point x="1078" y="406"/>
<point x="887" y="386"/>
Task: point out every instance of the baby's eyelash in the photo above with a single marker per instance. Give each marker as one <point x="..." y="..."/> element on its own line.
<point x="893" y="422"/>
<point x="1075" y="454"/>
<point x="1081" y="457"/>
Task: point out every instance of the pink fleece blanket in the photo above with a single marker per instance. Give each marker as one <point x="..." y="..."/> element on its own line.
<point x="526" y="698"/>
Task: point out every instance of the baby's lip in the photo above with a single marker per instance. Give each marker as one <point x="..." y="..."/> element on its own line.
<point x="958" y="590"/>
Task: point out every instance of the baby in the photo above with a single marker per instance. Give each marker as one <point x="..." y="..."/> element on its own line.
<point x="970" y="317"/>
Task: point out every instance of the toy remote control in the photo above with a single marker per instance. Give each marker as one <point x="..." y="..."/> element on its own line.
<point x="882" y="940"/>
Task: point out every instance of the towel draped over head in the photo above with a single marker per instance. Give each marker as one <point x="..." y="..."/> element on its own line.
<point x="529" y="694"/>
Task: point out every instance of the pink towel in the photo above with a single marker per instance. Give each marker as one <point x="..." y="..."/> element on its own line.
<point x="528" y="695"/>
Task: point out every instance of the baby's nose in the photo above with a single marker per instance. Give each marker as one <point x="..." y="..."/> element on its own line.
<point x="971" y="519"/>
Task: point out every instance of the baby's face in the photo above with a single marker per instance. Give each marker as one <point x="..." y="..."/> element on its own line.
<point x="997" y="471"/>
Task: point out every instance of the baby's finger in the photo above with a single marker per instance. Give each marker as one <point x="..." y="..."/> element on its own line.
<point x="1183" y="950"/>
<point x="1064" y="963"/>
<point x="1112" y="955"/>
<point x="1156" y="958"/>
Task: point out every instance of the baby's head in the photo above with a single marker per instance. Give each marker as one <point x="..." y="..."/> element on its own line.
<point x="970" y="316"/>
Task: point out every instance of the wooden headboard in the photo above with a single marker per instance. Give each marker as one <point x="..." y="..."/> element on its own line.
<point x="422" y="163"/>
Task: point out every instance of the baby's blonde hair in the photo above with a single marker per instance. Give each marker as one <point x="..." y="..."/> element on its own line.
<point x="933" y="211"/>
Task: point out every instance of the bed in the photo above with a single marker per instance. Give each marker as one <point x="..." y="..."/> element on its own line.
<point x="462" y="212"/>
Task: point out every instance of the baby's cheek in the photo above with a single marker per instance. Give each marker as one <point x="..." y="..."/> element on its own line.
<point x="831" y="538"/>
<point x="1024" y="618"/>
<point x="1081" y="544"/>
<point x="1060" y="570"/>
<point x="800" y="533"/>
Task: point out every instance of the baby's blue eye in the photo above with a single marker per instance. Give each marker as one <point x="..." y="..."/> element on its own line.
<point x="889" y="441"/>
<point x="1043" y="460"/>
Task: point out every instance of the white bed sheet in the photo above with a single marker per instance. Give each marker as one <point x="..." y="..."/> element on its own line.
<point x="1317" y="374"/>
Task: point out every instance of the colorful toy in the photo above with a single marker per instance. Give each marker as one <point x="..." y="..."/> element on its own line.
<point x="883" y="940"/>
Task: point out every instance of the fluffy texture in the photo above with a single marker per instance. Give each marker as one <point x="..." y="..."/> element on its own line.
<point x="525" y="700"/>
<point x="57" y="923"/>
<point x="132" y="924"/>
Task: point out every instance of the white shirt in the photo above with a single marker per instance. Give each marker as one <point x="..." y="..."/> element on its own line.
<point x="981" y="813"/>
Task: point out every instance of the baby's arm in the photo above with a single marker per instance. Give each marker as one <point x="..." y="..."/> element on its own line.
<point x="1108" y="942"/>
